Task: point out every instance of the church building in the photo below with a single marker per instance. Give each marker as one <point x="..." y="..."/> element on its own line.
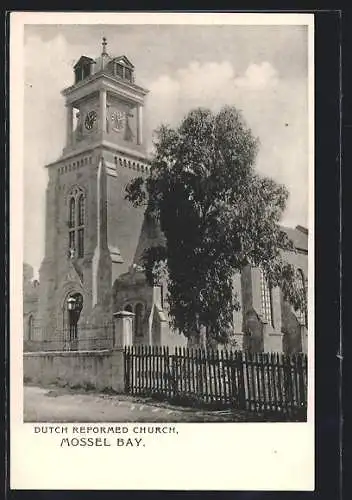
<point x="94" y="238"/>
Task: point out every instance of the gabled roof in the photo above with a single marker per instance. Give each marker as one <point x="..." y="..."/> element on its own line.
<point x="83" y="59"/>
<point x="150" y="235"/>
<point x="299" y="237"/>
<point x="123" y="59"/>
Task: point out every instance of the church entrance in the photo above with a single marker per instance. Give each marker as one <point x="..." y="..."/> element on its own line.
<point x="72" y="311"/>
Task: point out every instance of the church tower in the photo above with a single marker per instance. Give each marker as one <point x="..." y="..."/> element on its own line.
<point x="92" y="232"/>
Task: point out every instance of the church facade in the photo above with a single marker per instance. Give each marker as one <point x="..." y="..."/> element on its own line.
<point x="94" y="238"/>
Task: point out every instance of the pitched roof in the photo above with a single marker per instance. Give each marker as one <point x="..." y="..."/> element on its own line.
<point x="84" y="59"/>
<point x="299" y="237"/>
<point x="151" y="235"/>
<point x="124" y="60"/>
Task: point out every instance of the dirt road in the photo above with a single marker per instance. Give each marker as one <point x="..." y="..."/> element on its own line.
<point x="63" y="405"/>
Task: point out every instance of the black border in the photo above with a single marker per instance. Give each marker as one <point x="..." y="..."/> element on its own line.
<point x="346" y="288"/>
<point x="327" y="265"/>
<point x="327" y="306"/>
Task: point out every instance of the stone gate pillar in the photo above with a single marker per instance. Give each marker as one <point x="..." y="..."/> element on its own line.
<point x="123" y="321"/>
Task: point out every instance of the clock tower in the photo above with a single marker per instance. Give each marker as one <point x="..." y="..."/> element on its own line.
<point x="92" y="232"/>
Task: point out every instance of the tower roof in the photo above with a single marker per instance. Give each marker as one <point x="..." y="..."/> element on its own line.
<point x="124" y="60"/>
<point x="119" y="67"/>
<point x="83" y="60"/>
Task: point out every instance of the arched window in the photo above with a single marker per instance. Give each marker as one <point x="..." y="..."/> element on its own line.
<point x="266" y="299"/>
<point x="81" y="209"/>
<point x="72" y="212"/>
<point x="30" y="327"/>
<point x="138" y="320"/>
<point x="128" y="308"/>
<point x="302" y="314"/>
<point x="80" y="228"/>
<point x="71" y="224"/>
<point x="76" y="222"/>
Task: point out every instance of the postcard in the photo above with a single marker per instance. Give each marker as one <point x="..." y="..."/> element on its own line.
<point x="162" y="251"/>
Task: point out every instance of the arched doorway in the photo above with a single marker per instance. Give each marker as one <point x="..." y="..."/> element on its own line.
<point x="72" y="310"/>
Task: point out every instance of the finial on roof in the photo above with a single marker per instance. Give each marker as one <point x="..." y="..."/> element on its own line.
<point x="104" y="44"/>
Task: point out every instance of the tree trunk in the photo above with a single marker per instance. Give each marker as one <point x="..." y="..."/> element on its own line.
<point x="198" y="339"/>
<point x="203" y="336"/>
<point x="194" y="340"/>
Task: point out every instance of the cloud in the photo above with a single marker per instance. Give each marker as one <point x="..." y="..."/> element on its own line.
<point x="46" y="72"/>
<point x="258" y="77"/>
<point x="213" y="85"/>
<point x="275" y="108"/>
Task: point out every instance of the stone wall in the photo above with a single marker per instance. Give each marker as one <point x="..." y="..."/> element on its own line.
<point x="86" y="369"/>
<point x="30" y="302"/>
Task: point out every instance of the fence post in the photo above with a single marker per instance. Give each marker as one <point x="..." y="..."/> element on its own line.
<point x="302" y="377"/>
<point x="288" y="385"/>
<point x="175" y="360"/>
<point x="240" y="377"/>
<point x="127" y="356"/>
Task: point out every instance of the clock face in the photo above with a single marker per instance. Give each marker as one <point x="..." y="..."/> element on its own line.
<point x="118" y="120"/>
<point x="90" y="120"/>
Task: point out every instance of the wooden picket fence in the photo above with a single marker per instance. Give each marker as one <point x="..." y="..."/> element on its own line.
<point x="260" y="382"/>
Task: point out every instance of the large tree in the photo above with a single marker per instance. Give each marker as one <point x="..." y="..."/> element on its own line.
<point x="217" y="215"/>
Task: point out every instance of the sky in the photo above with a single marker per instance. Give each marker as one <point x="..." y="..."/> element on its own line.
<point x="262" y="70"/>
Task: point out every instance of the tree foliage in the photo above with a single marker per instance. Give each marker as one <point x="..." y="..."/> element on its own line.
<point x="217" y="215"/>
